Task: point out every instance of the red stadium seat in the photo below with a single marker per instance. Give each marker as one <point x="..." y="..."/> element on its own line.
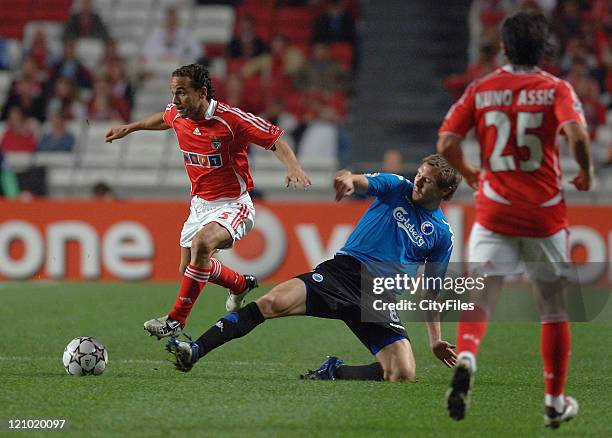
<point x="262" y="15"/>
<point x="214" y="50"/>
<point x="295" y="23"/>
<point x="12" y="30"/>
<point x="51" y="10"/>
<point x="342" y="53"/>
<point x="295" y="103"/>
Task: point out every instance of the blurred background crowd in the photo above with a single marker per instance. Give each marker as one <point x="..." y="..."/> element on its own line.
<point x="70" y="69"/>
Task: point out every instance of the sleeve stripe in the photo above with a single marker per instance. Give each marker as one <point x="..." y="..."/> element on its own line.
<point x="254" y="120"/>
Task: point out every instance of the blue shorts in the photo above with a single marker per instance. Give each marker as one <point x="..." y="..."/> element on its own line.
<point x="333" y="291"/>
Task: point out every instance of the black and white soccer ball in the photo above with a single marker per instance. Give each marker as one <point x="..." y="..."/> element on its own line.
<point x="85" y="356"/>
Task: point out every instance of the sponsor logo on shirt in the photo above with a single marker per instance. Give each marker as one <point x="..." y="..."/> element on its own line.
<point x="209" y="161"/>
<point x="403" y="221"/>
<point x="197" y="131"/>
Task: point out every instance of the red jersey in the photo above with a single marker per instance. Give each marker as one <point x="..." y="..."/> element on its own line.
<point x="517" y="116"/>
<point x="215" y="149"/>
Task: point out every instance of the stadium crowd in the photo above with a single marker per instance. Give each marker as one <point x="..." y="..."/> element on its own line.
<point x="289" y="61"/>
<point x="581" y="53"/>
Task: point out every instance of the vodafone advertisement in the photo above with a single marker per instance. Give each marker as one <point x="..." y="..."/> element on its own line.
<point x="137" y="240"/>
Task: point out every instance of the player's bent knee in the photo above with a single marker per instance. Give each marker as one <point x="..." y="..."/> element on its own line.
<point x="272" y="305"/>
<point x="287" y="298"/>
<point x="202" y="249"/>
<point x="403" y="374"/>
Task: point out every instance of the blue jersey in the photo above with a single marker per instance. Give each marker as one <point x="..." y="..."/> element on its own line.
<point x="397" y="232"/>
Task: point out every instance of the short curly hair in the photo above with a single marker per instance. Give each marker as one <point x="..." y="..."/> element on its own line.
<point x="199" y="78"/>
<point x="448" y="178"/>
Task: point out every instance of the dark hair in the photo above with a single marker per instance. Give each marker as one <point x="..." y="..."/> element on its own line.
<point x="448" y="178"/>
<point x="199" y="78"/>
<point x="525" y="38"/>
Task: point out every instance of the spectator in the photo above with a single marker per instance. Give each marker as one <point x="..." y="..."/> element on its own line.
<point x="321" y="72"/>
<point x="393" y="162"/>
<point x="277" y="68"/>
<point x="70" y="67"/>
<point x="104" y="106"/>
<point x="121" y="86"/>
<point x="26" y="93"/>
<point x="566" y="21"/>
<point x="580" y="72"/>
<point x="336" y="25"/>
<point x="9" y="187"/>
<point x="39" y="51"/>
<point x="484" y="18"/>
<point x="103" y="192"/>
<point x="58" y="138"/>
<point x="65" y="100"/>
<point x="576" y="51"/>
<point x="485" y="64"/>
<point x="5" y="54"/>
<point x="321" y="137"/>
<point x="278" y="115"/>
<point x="172" y="42"/>
<point x="19" y="135"/>
<point x="245" y="43"/>
<point x="85" y="24"/>
<point x="594" y="111"/>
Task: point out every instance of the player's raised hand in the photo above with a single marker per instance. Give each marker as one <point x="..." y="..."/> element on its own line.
<point x="445" y="352"/>
<point x="343" y="184"/>
<point x="582" y="181"/>
<point x="116" y="132"/>
<point x="472" y="176"/>
<point x="297" y="177"/>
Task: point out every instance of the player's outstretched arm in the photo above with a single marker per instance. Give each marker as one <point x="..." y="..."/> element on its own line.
<point x="154" y="122"/>
<point x="295" y="174"/>
<point x="580" y="145"/>
<point x="345" y="184"/>
<point x="449" y="146"/>
<point x="443" y="350"/>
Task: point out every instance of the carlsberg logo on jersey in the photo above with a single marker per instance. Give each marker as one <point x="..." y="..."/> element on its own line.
<point x="191" y="158"/>
<point x="403" y="221"/>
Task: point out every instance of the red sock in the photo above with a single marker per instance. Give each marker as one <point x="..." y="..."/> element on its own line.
<point x="192" y="284"/>
<point x="226" y="277"/>
<point x="471" y="329"/>
<point x="555" y="345"/>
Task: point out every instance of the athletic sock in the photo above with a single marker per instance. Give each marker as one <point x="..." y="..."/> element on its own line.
<point x="470" y="331"/>
<point x="359" y="372"/>
<point x="555" y="345"/>
<point x="234" y="325"/>
<point x="192" y="284"/>
<point x="226" y="277"/>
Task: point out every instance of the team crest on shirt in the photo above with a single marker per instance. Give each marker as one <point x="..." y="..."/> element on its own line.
<point x="215" y="143"/>
<point x="427" y="228"/>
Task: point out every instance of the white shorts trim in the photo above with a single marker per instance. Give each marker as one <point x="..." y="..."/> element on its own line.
<point x="542" y="258"/>
<point x="237" y="216"/>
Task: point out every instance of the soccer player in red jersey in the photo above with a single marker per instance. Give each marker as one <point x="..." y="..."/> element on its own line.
<point x="213" y="138"/>
<point x="517" y="112"/>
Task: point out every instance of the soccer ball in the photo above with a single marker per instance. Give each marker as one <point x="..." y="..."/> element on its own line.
<point x="85" y="356"/>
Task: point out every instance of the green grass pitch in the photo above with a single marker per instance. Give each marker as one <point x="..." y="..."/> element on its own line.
<point x="250" y="386"/>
